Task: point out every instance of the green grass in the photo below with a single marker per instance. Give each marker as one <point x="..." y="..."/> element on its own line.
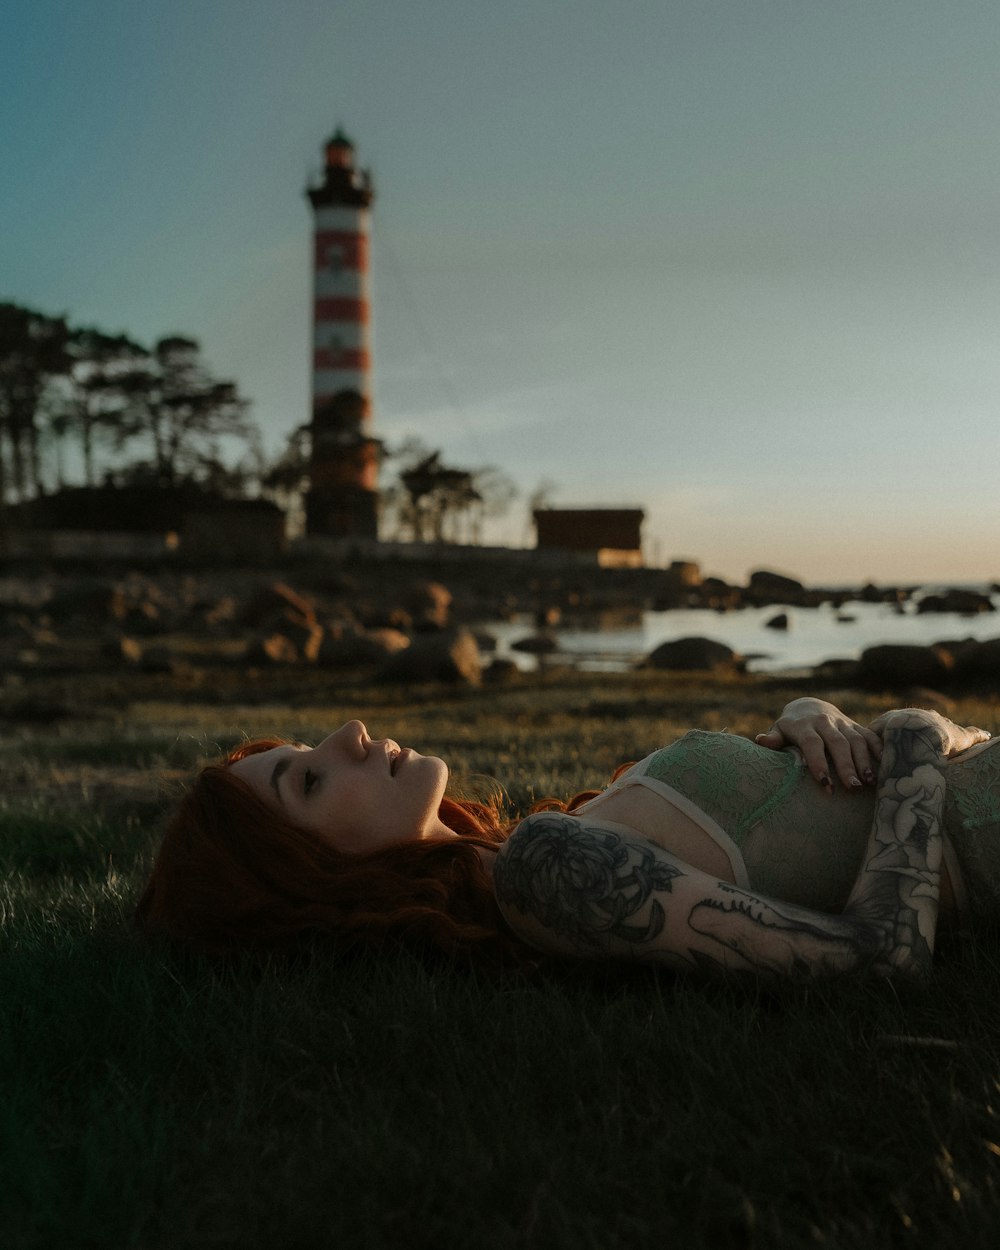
<point x="150" y="1102"/>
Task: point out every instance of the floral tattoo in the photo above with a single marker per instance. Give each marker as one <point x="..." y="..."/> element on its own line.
<point x="898" y="891"/>
<point x="584" y="884"/>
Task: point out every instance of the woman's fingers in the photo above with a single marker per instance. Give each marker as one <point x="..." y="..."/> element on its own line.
<point x="872" y="741"/>
<point x="817" y="760"/>
<point x="831" y="744"/>
<point x="853" y="756"/>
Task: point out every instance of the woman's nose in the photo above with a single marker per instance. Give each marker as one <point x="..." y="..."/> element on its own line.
<point x="353" y="736"/>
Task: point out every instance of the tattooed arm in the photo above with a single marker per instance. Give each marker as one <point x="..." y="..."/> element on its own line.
<point x="572" y="887"/>
<point x="897" y="890"/>
<point x="578" y="888"/>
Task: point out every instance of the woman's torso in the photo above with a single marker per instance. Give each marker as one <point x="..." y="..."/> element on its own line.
<point x="719" y="801"/>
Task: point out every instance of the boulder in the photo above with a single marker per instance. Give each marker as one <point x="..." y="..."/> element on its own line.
<point x="667" y="598"/>
<point x="978" y="662"/>
<point x="220" y="613"/>
<point x="121" y="650"/>
<point x="157" y="659"/>
<point x="140" y="618"/>
<point x="398" y="619"/>
<point x="870" y="593"/>
<point x="683" y="573"/>
<point x="765" y="584"/>
<point x="535" y="644"/>
<point x="765" y="587"/>
<point x="381" y="614"/>
<point x="837" y="669"/>
<point x="286" y="640"/>
<point x="306" y="636"/>
<point x="964" y="602"/>
<point x="20" y="627"/>
<point x="485" y="641"/>
<point x="904" y="664"/>
<point x="268" y="649"/>
<point x="348" y="647"/>
<point x="275" y="599"/>
<point x="448" y="656"/>
<point x="428" y="604"/>
<point x="718" y="595"/>
<point x="501" y="672"/>
<point x="695" y="655"/>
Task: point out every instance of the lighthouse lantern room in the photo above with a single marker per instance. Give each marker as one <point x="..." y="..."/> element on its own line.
<point x="343" y="488"/>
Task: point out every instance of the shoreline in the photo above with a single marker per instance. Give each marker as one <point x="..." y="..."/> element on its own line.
<point x="362" y="612"/>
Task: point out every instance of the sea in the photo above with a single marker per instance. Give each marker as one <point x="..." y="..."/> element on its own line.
<point x="616" y="641"/>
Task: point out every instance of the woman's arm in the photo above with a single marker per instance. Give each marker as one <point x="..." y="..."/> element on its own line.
<point x="573" y="887"/>
<point x="897" y="890"/>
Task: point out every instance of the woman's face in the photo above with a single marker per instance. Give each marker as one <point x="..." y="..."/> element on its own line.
<point x="355" y="792"/>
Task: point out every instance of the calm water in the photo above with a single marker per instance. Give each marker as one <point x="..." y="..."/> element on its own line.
<point x="813" y="635"/>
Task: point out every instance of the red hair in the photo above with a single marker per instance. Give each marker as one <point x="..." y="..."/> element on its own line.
<point x="232" y="874"/>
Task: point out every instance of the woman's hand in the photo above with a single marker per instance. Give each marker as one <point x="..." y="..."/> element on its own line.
<point x="827" y="739"/>
<point x="951" y="738"/>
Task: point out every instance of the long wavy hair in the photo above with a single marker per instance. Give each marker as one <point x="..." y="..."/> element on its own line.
<point x="231" y="874"/>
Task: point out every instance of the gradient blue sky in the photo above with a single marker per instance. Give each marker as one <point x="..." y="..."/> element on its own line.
<point x="736" y="262"/>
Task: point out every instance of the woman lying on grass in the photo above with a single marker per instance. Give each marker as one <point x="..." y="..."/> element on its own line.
<point x="715" y="853"/>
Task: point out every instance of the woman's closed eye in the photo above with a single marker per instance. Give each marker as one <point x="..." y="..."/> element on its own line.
<point x="309" y="779"/>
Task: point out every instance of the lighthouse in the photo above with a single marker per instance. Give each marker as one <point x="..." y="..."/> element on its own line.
<point x="343" y="467"/>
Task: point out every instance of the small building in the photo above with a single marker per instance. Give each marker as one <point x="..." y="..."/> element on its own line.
<point x="141" y="522"/>
<point x="611" y="536"/>
<point x="221" y="530"/>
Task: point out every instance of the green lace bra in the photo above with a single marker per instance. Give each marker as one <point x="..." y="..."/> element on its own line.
<point x="787" y="837"/>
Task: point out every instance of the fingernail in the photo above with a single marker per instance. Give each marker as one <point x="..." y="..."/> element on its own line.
<point x="854" y="782"/>
<point x="826" y="783"/>
<point x="869" y="776"/>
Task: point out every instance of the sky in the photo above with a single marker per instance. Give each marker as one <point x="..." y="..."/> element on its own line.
<point x="735" y="262"/>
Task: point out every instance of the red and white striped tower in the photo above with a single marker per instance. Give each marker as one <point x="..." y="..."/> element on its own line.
<point x="344" y="460"/>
